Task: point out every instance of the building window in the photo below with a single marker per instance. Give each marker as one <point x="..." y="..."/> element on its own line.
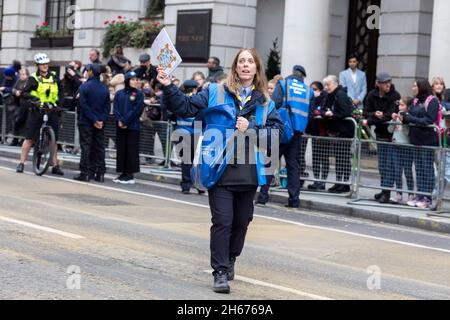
<point x="57" y="16"/>
<point x="155" y="8"/>
<point x="1" y="21"/>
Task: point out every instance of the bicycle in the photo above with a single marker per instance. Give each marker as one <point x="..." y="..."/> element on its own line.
<point x="44" y="146"/>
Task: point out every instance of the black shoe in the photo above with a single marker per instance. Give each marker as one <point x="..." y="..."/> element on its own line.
<point x="342" y="189"/>
<point x="221" y="282"/>
<point x="81" y="178"/>
<point x="230" y="272"/>
<point x="385" y="198"/>
<point x="56" y="170"/>
<point x="100" y="178"/>
<point x="201" y="192"/>
<point x="185" y="191"/>
<point x="378" y="196"/>
<point x="20" y="168"/>
<point x="290" y="206"/>
<point x="334" y="188"/>
<point x="14" y="143"/>
<point x="314" y="186"/>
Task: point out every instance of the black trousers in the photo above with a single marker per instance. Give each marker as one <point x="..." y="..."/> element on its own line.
<point x="291" y="153"/>
<point x="127" y="151"/>
<point x="186" y="181"/>
<point x="232" y="213"/>
<point x="92" y="143"/>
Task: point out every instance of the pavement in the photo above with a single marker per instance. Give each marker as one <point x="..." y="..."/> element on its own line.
<point x="345" y="206"/>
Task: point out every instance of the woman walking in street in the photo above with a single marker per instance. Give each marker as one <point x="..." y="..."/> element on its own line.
<point x="231" y="196"/>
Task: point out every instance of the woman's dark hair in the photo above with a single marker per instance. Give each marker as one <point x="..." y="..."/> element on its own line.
<point x="425" y="89"/>
<point x="318" y="85"/>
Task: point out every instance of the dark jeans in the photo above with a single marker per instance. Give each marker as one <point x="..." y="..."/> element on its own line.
<point x="232" y="213"/>
<point x="186" y="180"/>
<point x="92" y="143"/>
<point x="291" y="153"/>
<point x="321" y="158"/>
<point x="386" y="165"/>
<point x="403" y="163"/>
<point x="424" y="162"/>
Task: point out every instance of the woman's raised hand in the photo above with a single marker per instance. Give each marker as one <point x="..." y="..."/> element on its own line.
<point x="163" y="78"/>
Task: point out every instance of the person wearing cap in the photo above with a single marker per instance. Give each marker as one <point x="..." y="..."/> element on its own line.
<point x="381" y="103"/>
<point x="355" y="81"/>
<point x="43" y="87"/>
<point x="94" y="111"/>
<point x="146" y="71"/>
<point x="292" y="151"/>
<point x="185" y="127"/>
<point x="128" y="107"/>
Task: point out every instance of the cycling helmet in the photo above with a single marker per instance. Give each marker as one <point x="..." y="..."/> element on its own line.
<point x="41" y="58"/>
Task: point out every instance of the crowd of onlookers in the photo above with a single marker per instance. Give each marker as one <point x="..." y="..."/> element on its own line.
<point x="395" y="120"/>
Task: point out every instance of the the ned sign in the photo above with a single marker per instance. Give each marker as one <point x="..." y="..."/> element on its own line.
<point x="194" y="35"/>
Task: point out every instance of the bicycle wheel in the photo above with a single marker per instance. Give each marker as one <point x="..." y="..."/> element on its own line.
<point x="44" y="150"/>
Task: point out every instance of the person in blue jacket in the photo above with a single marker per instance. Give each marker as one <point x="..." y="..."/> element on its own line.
<point x="231" y="198"/>
<point x="128" y="107"/>
<point x="94" y="111"/>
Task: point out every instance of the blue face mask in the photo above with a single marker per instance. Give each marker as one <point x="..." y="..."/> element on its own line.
<point x="148" y="91"/>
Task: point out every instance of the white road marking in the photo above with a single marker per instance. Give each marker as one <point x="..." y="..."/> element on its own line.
<point x="42" y="228"/>
<point x="258" y="216"/>
<point x="277" y="287"/>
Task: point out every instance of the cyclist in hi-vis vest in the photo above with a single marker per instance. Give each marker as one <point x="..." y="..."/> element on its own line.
<point x="43" y="87"/>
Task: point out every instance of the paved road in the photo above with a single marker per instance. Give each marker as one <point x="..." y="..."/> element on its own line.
<point x="150" y="242"/>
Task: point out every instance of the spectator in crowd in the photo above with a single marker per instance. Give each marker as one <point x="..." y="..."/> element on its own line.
<point x="146" y="71"/>
<point x="200" y="78"/>
<point x="381" y="103"/>
<point x="118" y="62"/>
<point x="320" y="146"/>
<point x="70" y="85"/>
<point x="7" y="98"/>
<point x="336" y="108"/>
<point x="94" y="56"/>
<point x="21" y="109"/>
<point x="423" y="113"/>
<point x="128" y="107"/>
<point x="355" y="81"/>
<point x="271" y="85"/>
<point x="438" y="86"/>
<point x="94" y="109"/>
<point x="403" y="158"/>
<point x="215" y="70"/>
<point x="17" y="65"/>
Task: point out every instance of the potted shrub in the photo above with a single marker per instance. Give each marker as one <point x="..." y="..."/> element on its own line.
<point x="42" y="35"/>
<point x="129" y="33"/>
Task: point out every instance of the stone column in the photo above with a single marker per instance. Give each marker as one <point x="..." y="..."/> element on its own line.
<point x="440" y="41"/>
<point x="306" y="37"/>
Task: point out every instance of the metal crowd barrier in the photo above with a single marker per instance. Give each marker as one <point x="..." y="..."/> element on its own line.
<point x="69" y="136"/>
<point x="352" y="162"/>
<point x="401" y="169"/>
<point x="331" y="161"/>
